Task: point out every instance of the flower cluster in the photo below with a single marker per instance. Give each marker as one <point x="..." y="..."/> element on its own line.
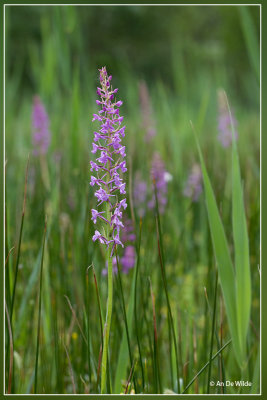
<point x="160" y="178"/>
<point x="109" y="165"/>
<point x="193" y="188"/>
<point x="224" y="122"/>
<point x="146" y="110"/>
<point x="40" y="127"/>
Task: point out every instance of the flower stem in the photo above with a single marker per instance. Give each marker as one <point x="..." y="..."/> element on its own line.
<point x="107" y="323"/>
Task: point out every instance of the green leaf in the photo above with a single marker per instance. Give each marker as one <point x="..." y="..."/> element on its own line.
<point x="255" y="388"/>
<point x="224" y="262"/>
<point x="241" y="245"/>
<point x="251" y="39"/>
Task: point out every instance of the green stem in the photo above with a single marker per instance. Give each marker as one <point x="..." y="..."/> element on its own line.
<point x="212" y="332"/>
<point x="135" y="307"/>
<point x="107" y="324"/>
<point x="205" y="366"/>
<point x="163" y="272"/>
<point x="125" y="320"/>
<point x="39" y="315"/>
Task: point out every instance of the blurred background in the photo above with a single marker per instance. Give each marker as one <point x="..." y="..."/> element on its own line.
<point x="177" y="45"/>
<point x="168" y="63"/>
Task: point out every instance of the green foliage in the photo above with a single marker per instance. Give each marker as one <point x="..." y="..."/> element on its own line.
<point x="236" y="284"/>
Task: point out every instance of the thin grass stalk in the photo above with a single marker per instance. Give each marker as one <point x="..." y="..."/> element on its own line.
<point x="144" y="305"/>
<point x="7" y="280"/>
<point x="8" y="300"/>
<point x="19" y="243"/>
<point x="162" y="264"/>
<point x="212" y="331"/>
<point x="11" y="351"/>
<point x="187" y="357"/>
<point x="207" y="309"/>
<point x="135" y="305"/>
<point x="179" y="336"/>
<point x="75" y="319"/>
<point x="7" y="272"/>
<point x="146" y="323"/>
<point x="195" y="354"/>
<point x="57" y="348"/>
<point x="148" y="328"/>
<point x="39" y="314"/>
<point x="8" y="255"/>
<point x="205" y="366"/>
<point x="219" y="342"/>
<point x="99" y="365"/>
<point x="125" y="316"/>
<point x="88" y="330"/>
<point x="156" y="352"/>
<point x="170" y="344"/>
<point x="71" y="370"/>
<point x="130" y="378"/>
<point x="146" y="375"/>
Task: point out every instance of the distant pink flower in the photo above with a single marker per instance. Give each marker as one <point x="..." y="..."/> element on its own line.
<point x="128" y="259"/>
<point x="40" y="127"/>
<point x="139" y="195"/>
<point x="160" y="178"/>
<point x="146" y="112"/>
<point x="193" y="188"/>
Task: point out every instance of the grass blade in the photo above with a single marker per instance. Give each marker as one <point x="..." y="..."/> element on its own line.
<point x="39" y="315"/>
<point x="222" y="254"/>
<point x="19" y="242"/>
<point x="124" y="314"/>
<point x="219" y="342"/>
<point x="7" y="253"/>
<point x="76" y="319"/>
<point x="251" y="39"/>
<point x="28" y="292"/>
<point x="212" y="332"/>
<point x="255" y="389"/>
<point x="205" y="366"/>
<point x="71" y="370"/>
<point x="11" y="351"/>
<point x="121" y="369"/>
<point x="242" y="265"/>
<point x="130" y="378"/>
<point x="135" y="306"/>
<point x="156" y="350"/>
<point x="88" y="328"/>
<point x="162" y="265"/>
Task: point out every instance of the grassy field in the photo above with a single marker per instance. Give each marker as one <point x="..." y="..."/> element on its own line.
<point x="187" y="298"/>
